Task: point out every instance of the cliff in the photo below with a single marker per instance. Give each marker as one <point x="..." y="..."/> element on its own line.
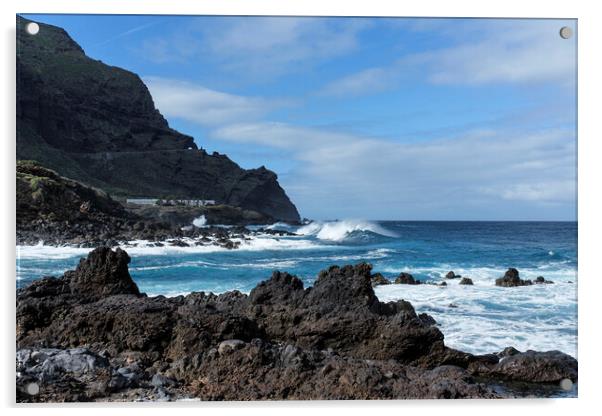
<point x="98" y="124"/>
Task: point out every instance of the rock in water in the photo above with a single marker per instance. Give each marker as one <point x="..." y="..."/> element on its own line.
<point x="98" y="124"/>
<point x="379" y="279"/>
<point x="406" y="279"/>
<point x="466" y="281"/>
<point x="511" y="279"/>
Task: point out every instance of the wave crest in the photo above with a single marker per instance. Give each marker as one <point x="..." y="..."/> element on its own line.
<point x="340" y="230"/>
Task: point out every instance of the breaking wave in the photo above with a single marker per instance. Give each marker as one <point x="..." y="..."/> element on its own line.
<point x="341" y="230"/>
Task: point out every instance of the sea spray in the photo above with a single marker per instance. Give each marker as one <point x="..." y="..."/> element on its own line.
<point x="200" y="222"/>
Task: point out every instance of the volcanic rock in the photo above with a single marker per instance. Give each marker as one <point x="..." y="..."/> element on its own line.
<point x="334" y="340"/>
<point x="542" y="280"/>
<point x="406" y="279"/>
<point x="103" y="273"/>
<point x="511" y="279"/>
<point x="452" y="275"/>
<point x="379" y="279"/>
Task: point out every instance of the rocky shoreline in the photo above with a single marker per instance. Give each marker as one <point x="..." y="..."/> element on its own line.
<point x="90" y="335"/>
<point x="139" y="234"/>
<point x="59" y="211"/>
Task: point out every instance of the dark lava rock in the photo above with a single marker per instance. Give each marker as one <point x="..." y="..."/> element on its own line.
<point x="334" y="340"/>
<point x="379" y="279"/>
<point x="533" y="366"/>
<point x="406" y="279"/>
<point x="319" y="375"/>
<point x="511" y="279"/>
<point x="452" y="275"/>
<point x="97" y="124"/>
<point x="507" y="352"/>
<point x="103" y="273"/>
<point x="160" y="380"/>
<point x="427" y="319"/>
<point x="179" y="243"/>
<point x="466" y="281"/>
<point x="542" y="280"/>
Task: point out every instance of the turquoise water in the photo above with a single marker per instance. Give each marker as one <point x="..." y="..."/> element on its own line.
<point x="487" y="318"/>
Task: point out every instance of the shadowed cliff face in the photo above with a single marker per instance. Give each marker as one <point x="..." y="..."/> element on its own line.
<point x="98" y="124"/>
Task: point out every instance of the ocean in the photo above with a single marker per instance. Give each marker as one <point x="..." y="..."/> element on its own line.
<point x="482" y="319"/>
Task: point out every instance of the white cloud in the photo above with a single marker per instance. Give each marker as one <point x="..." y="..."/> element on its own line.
<point x="551" y="191"/>
<point x="372" y="175"/>
<point x="205" y="106"/>
<point x="369" y="80"/>
<point x="258" y="46"/>
<point x="485" y="52"/>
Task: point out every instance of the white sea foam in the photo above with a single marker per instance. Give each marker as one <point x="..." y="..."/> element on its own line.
<point x="200" y="221"/>
<point x="254" y="244"/>
<point x="149" y="248"/>
<point x="339" y="230"/>
<point x="44" y="252"/>
<point x="278" y="226"/>
<point x="489" y="318"/>
<point x="555" y="271"/>
<point x="267" y="264"/>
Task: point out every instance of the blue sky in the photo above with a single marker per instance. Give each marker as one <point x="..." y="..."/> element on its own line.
<point x="377" y="118"/>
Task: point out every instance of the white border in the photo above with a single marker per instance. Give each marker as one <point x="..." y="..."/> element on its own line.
<point x="589" y="209"/>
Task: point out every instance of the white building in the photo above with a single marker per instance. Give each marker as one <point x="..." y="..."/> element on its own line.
<point x="185" y="202"/>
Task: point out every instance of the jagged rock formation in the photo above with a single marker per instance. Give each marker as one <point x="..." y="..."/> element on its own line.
<point x="90" y="335"/>
<point x="97" y="124"/>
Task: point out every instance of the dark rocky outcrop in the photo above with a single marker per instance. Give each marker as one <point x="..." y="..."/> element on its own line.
<point x="43" y="194"/>
<point x="542" y="280"/>
<point x="58" y="210"/>
<point x="452" y="275"/>
<point x="466" y="281"/>
<point x="90" y="335"/>
<point x="511" y="279"/>
<point x="103" y="273"/>
<point x="379" y="279"/>
<point x="98" y="124"/>
<point x="406" y="279"/>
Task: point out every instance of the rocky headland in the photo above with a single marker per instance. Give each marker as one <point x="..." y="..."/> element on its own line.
<point x="60" y="211"/>
<point x="90" y="335"/>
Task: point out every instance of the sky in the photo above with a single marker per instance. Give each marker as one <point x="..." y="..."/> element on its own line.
<point x="373" y="118"/>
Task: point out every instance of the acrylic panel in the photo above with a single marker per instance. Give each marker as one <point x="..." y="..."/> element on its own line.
<point x="308" y="208"/>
